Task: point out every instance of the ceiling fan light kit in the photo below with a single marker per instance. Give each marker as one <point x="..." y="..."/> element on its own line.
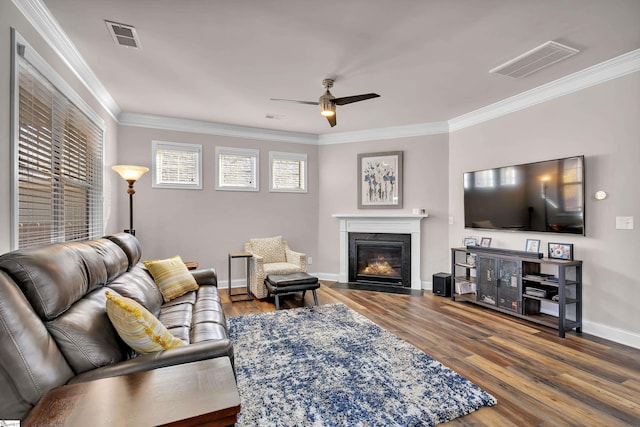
<point x="328" y="102"/>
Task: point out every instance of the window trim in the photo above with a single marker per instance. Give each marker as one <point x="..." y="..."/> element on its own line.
<point x="20" y="48"/>
<point x="278" y="155"/>
<point x="176" y="146"/>
<point x="239" y="152"/>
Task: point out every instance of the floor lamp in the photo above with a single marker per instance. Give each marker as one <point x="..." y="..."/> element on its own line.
<point x="130" y="174"/>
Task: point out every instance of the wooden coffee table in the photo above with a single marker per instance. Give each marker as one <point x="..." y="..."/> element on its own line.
<point x="191" y="394"/>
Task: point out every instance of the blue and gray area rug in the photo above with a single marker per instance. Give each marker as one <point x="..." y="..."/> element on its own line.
<point x="331" y="366"/>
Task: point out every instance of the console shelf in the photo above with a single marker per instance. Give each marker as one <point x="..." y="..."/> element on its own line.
<point x="525" y="287"/>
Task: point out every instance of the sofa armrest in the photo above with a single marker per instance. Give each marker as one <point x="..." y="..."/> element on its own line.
<point x="206" y="276"/>
<point x="296" y="258"/>
<point x="173" y="356"/>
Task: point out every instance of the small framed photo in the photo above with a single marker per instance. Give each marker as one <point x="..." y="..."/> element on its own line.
<point x="561" y="251"/>
<point x="470" y="241"/>
<point x="532" y="245"/>
<point x="485" y="242"/>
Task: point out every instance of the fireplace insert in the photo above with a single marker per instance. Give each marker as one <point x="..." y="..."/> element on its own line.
<point x="383" y="258"/>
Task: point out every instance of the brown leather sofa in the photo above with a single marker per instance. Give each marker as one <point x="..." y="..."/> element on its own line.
<point x="54" y="328"/>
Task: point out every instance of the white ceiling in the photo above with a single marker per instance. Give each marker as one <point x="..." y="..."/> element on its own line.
<point x="221" y="61"/>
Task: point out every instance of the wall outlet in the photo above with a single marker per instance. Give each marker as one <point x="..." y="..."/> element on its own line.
<point x="309" y="260"/>
<point x="624" y="223"/>
<point x="450" y="219"/>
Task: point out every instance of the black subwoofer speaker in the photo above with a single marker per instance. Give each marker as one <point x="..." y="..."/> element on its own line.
<point x="442" y="284"/>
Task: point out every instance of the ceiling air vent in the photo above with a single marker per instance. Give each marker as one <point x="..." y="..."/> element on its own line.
<point x="536" y="59"/>
<point x="124" y="35"/>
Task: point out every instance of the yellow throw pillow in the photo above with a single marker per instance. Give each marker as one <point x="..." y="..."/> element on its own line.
<point x="171" y="276"/>
<point x="137" y="327"/>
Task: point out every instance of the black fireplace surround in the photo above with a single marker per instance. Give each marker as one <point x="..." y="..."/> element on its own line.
<point x="381" y="258"/>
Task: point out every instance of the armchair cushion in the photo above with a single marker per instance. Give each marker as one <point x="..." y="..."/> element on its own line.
<point x="280" y="268"/>
<point x="272" y="249"/>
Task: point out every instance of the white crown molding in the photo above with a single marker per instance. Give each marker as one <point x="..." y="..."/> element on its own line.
<point x="422" y="129"/>
<point x="612" y="69"/>
<point x="40" y="17"/>
<point x="211" y="128"/>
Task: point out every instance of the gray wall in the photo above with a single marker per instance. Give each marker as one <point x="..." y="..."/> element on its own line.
<point x="205" y="225"/>
<point x="11" y="17"/>
<point x="601" y="122"/>
<point x="425" y="186"/>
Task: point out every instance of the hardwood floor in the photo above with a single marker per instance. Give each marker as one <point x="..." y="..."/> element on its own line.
<point x="537" y="378"/>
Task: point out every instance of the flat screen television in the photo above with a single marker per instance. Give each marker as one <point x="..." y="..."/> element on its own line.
<point x="544" y="196"/>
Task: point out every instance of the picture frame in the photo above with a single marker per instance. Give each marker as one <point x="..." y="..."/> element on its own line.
<point x="532" y="245"/>
<point x="380" y="180"/>
<point x="485" y="242"/>
<point x="469" y="241"/>
<point x="562" y="251"/>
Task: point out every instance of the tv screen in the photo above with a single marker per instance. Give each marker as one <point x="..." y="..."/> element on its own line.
<point x="544" y="196"/>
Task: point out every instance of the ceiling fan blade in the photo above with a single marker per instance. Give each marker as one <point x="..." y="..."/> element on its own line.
<point x="354" y="98"/>
<point x="332" y="120"/>
<point x="295" y="100"/>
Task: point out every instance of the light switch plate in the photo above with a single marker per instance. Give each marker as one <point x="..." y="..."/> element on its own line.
<point x="309" y="260"/>
<point x="624" y="223"/>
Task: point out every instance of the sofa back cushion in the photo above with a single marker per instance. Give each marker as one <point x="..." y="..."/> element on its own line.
<point x="52" y="277"/>
<point x="270" y="248"/>
<point x="31" y="363"/>
<point x="115" y="260"/>
<point x="85" y="335"/>
<point x="138" y="285"/>
<point x="129" y="245"/>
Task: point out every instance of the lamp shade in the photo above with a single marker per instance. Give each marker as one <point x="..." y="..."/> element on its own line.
<point x="130" y="172"/>
<point x="327" y="108"/>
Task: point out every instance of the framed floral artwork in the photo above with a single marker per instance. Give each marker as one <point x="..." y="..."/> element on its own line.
<point x="380" y="180"/>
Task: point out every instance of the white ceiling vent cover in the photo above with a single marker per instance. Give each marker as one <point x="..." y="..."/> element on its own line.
<point x="124" y="35"/>
<point x="536" y="59"/>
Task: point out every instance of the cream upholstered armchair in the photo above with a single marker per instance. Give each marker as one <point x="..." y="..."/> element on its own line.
<point x="271" y="255"/>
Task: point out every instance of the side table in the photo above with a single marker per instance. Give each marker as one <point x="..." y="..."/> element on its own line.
<point x="190" y="394"/>
<point x="244" y="296"/>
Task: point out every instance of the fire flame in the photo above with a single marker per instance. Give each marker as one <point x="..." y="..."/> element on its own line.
<point x="379" y="268"/>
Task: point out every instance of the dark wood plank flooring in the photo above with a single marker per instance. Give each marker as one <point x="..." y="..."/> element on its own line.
<point x="538" y="378"/>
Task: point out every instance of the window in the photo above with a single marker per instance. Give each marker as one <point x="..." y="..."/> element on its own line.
<point x="237" y="169"/>
<point x="287" y="172"/>
<point x="57" y="156"/>
<point x="176" y="165"/>
<point x="572" y="174"/>
<point x="484" y="179"/>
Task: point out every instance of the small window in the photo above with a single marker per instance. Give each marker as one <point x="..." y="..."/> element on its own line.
<point x="237" y="169"/>
<point x="287" y="172"/>
<point x="176" y="165"/>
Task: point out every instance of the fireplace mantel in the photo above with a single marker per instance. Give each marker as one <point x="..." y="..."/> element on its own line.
<point x="381" y="223"/>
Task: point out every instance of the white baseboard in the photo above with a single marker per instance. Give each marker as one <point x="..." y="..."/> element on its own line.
<point x="620" y="336"/>
<point x="235" y="283"/>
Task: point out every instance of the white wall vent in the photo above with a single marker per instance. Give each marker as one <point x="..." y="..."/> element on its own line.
<point x="536" y="59"/>
<point x="124" y="35"/>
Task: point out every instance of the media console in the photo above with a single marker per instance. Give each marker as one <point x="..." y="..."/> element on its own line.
<point x="522" y="284"/>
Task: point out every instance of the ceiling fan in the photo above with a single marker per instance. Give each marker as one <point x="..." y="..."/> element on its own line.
<point x="328" y="102"/>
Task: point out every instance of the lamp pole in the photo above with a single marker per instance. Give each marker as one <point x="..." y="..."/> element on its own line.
<point x="131" y="191"/>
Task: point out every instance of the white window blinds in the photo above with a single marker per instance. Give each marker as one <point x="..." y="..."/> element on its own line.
<point x="288" y="172"/>
<point x="237" y="169"/>
<point x="177" y="165"/>
<point x="58" y="152"/>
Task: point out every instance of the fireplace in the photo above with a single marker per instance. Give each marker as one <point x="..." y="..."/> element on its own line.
<point x="399" y="223"/>
<point x="382" y="258"/>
